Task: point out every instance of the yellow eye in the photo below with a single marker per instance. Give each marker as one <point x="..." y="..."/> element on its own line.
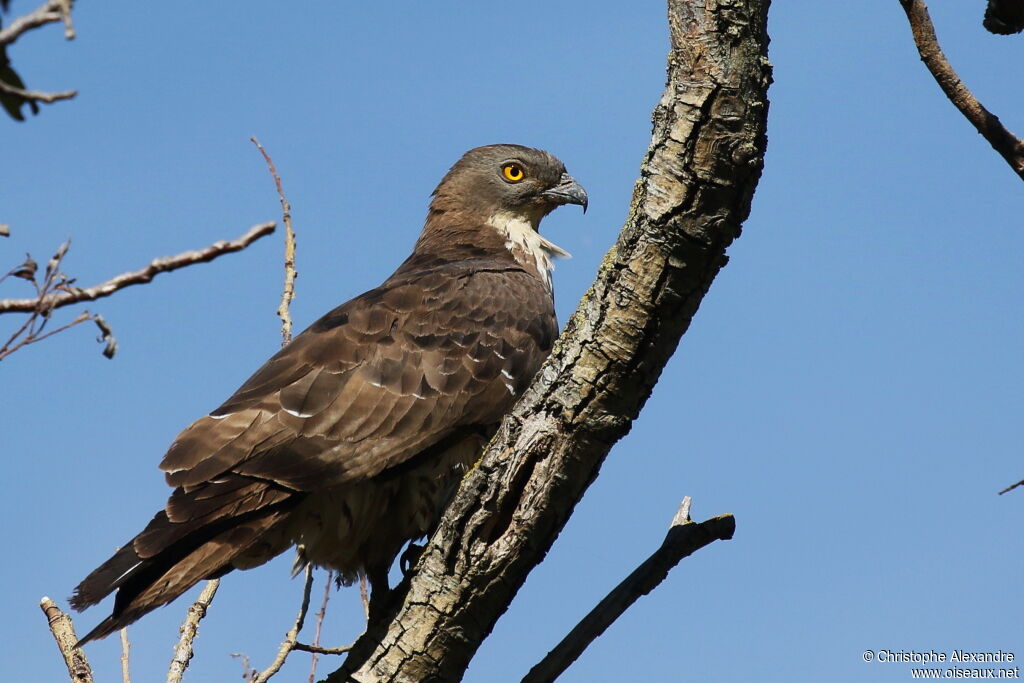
<point x="512" y="172"/>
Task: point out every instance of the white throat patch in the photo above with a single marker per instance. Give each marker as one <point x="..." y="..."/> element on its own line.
<point x="523" y="240"/>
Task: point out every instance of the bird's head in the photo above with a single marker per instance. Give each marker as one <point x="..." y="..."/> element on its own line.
<point x="507" y="180"/>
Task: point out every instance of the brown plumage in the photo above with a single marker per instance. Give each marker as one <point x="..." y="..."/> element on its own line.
<point x="350" y="439"/>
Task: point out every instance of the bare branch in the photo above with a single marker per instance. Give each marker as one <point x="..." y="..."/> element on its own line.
<point x="74" y="295"/>
<point x="183" y="650"/>
<point x="316" y="649"/>
<point x="292" y="636"/>
<point x="289" y="249"/>
<point x="320" y="614"/>
<point x="63" y="631"/>
<point x="47" y="13"/>
<point x="126" y="676"/>
<point x="1009" y="146"/>
<point x="32" y="336"/>
<point x="37" y="95"/>
<point x="65" y="15"/>
<point x="1012" y="487"/>
<point x="684" y="538"/>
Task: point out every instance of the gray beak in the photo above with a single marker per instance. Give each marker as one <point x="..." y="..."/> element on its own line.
<point x="568" y="191"/>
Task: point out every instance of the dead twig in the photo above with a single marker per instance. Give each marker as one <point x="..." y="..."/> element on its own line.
<point x="37" y="95"/>
<point x="54" y="281"/>
<point x="74" y="295"/>
<point x="316" y="649"/>
<point x="13" y="93"/>
<point x="684" y="538"/>
<point x="183" y="650"/>
<point x="63" y="631"/>
<point x="321" y="613"/>
<point x="65" y="15"/>
<point x="289" y="249"/>
<point x="47" y="13"/>
<point x="291" y="638"/>
<point x="126" y="676"/>
<point x="1009" y="146"/>
<point x="1012" y="487"/>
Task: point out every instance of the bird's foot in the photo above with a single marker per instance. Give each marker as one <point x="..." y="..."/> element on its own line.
<point x="407" y="562"/>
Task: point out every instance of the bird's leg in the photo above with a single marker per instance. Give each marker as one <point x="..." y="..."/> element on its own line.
<point x="379" y="590"/>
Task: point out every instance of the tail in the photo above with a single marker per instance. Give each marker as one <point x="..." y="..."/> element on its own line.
<point x="174" y="553"/>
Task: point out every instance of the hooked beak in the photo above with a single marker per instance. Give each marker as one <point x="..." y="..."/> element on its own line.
<point x="567" y="191"/>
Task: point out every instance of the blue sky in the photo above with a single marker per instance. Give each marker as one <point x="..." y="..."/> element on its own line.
<point x="850" y="388"/>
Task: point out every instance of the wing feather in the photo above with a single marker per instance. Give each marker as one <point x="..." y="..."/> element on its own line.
<point x="375" y="381"/>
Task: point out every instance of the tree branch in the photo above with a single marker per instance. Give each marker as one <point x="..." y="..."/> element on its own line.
<point x="126" y="676"/>
<point x="320" y="614"/>
<point x="292" y="637"/>
<point x="74" y="295"/>
<point x="189" y="628"/>
<point x="696" y="185"/>
<point x="47" y="13"/>
<point x="1012" y="487"/>
<point x="37" y="95"/>
<point x="1009" y="146"/>
<point x="288" y="293"/>
<point x="64" y="633"/>
<point x="684" y="538"/>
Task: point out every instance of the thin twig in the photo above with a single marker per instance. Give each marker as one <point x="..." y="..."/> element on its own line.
<point x="63" y="631"/>
<point x="47" y="13"/>
<point x="126" y="676"/>
<point x="248" y="673"/>
<point x="34" y="337"/>
<point x="321" y="613"/>
<point x="684" y="538"/>
<point x="284" y="313"/>
<point x="1012" y="487"/>
<point x="54" y="283"/>
<point x="292" y="636"/>
<point x="316" y="649"/>
<point x="183" y="650"/>
<point x="289" y="249"/>
<point x="65" y="15"/>
<point x="74" y="295"/>
<point x="37" y="95"/>
<point x="1009" y="146"/>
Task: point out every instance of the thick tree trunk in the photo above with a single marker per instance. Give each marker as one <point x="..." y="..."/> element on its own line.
<point x="694" y="192"/>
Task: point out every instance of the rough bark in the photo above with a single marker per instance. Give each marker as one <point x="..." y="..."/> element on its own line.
<point x="694" y="191"/>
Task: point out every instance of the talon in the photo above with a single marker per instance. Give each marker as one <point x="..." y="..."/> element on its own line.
<point x="410" y="557"/>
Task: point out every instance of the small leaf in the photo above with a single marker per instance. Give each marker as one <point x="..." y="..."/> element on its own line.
<point x="107" y="335"/>
<point x="27" y="270"/>
<point x="53" y="265"/>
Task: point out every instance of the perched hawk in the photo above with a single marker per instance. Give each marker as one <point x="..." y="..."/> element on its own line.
<point x="348" y="442"/>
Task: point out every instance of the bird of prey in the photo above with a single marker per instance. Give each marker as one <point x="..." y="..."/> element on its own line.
<point x="349" y="441"/>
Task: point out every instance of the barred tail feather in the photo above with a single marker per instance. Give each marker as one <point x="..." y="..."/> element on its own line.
<point x="144" y="583"/>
